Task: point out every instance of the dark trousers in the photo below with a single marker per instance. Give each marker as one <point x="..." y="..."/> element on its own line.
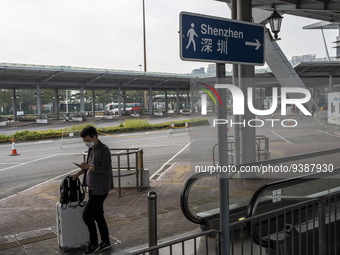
<point x="94" y="212"/>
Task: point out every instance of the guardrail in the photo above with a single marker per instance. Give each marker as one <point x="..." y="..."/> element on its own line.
<point x="175" y="130"/>
<point x="308" y="227"/>
<point x="200" y="243"/>
<point x="211" y="217"/>
<point x="261" y="144"/>
<point x="127" y="162"/>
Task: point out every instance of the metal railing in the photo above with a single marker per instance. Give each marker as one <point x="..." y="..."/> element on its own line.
<point x="70" y="137"/>
<point x="308" y="227"/>
<point x="261" y="144"/>
<point x="239" y="207"/>
<point x="277" y="192"/>
<point x="200" y="243"/>
<point x="126" y="162"/>
<point x="173" y="130"/>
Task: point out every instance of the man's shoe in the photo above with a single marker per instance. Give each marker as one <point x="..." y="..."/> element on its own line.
<point x="91" y="249"/>
<point x="103" y="246"/>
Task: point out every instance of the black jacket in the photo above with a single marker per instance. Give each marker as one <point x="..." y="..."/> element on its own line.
<point x="103" y="179"/>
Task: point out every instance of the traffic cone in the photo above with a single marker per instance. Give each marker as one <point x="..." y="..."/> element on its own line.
<point x="14" y="150"/>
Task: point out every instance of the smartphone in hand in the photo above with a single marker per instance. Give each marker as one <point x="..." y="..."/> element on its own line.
<point x="78" y="165"/>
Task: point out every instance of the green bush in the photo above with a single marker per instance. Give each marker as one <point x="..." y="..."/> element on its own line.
<point x="137" y="124"/>
<point x="127" y="126"/>
<point x="79" y="126"/>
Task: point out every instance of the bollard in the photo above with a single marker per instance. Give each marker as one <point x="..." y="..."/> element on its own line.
<point x="152" y="219"/>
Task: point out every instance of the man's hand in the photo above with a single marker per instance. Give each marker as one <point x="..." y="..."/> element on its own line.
<point x="84" y="166"/>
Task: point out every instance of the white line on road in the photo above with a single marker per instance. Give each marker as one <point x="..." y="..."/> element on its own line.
<point x="166" y="163"/>
<point x="282" y="138"/>
<point x="35" y="186"/>
<point x="165" y="119"/>
<point x="39" y="159"/>
<point x="324" y="132"/>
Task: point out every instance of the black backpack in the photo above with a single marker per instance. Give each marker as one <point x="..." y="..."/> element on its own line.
<point x="71" y="191"/>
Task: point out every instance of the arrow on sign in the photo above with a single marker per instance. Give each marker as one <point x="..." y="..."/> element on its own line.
<point x="257" y="44"/>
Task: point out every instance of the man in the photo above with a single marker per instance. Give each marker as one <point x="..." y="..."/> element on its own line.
<point x="98" y="178"/>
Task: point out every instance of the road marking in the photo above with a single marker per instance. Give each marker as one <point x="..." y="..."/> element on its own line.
<point x="324" y="132"/>
<point x="165" y="118"/>
<point x="35" y="160"/>
<point x="39" y="184"/>
<point x="282" y="138"/>
<point x="166" y="163"/>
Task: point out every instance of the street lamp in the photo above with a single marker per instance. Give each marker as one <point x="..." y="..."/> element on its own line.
<point x="275" y="23"/>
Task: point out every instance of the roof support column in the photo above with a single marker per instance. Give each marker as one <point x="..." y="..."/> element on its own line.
<point x="187" y="101"/>
<point x="166" y="101"/>
<point x="150" y="102"/>
<point x="93" y="104"/>
<point x="330" y="83"/>
<point x="177" y="101"/>
<point x="192" y="106"/>
<point x="119" y="99"/>
<point x="246" y="80"/>
<point x="38" y="95"/>
<point x="82" y="105"/>
<point x="124" y="101"/>
<point x="56" y="103"/>
<point x="15" y="109"/>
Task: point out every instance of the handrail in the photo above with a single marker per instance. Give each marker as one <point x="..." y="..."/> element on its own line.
<point x="185" y="195"/>
<point x="174" y="242"/>
<point x="254" y="201"/>
<point x="284" y="184"/>
<point x="190" y="182"/>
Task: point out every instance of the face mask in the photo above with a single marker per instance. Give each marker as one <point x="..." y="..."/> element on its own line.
<point x="89" y="144"/>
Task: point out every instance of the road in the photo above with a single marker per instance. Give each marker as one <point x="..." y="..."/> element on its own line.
<point x="44" y="160"/>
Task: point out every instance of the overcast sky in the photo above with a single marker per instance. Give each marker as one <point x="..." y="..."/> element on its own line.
<point x="109" y="33"/>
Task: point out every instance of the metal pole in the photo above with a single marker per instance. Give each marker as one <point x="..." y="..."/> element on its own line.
<point x="93" y="104"/>
<point x="322" y="223"/>
<point x="152" y="219"/>
<point x="82" y="102"/>
<point x="330" y="83"/>
<point x="119" y="101"/>
<point x="166" y="101"/>
<point x="177" y="101"/>
<point x="38" y="102"/>
<point x="223" y="163"/>
<point x="150" y="101"/>
<point x="246" y="79"/>
<point x="15" y="115"/>
<point x="57" y="102"/>
<point x="324" y="41"/>
<point x="235" y="82"/>
<point x="144" y="36"/>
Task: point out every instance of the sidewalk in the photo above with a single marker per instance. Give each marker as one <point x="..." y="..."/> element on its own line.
<point x="28" y="219"/>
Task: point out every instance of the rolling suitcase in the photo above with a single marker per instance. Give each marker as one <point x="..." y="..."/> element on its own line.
<point x="71" y="229"/>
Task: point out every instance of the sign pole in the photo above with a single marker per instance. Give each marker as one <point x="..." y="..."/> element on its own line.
<point x="223" y="161"/>
<point x="237" y="129"/>
<point x="246" y="80"/>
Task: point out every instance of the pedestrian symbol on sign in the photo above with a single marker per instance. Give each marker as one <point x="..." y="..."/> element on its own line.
<point x="191" y="34"/>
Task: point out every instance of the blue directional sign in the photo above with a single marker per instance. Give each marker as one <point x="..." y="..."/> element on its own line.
<point x="212" y="39"/>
